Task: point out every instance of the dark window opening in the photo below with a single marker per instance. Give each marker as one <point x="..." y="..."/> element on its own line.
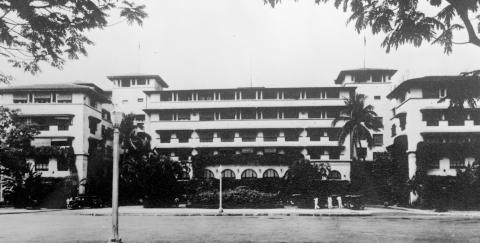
<point x="41" y="163"/>
<point x="249" y="114"/>
<point x="248" y="136"/>
<point x="227" y="95"/>
<point x="249" y="174"/>
<point x="377" y="139"/>
<point x="227" y="115"/>
<point x="270" y="136"/>
<point x="228" y="174"/>
<point x="125" y="82"/>
<point x="227" y="136"/>
<point x="270" y="173"/>
<point x="248" y="94"/>
<point x="333" y="94"/>
<point x="269" y="94"/>
<point x="207" y="116"/>
<point x="270" y="114"/>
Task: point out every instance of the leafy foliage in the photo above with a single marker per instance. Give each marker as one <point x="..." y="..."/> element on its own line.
<point x="410" y="21"/>
<point x="468" y="91"/>
<point x="240" y="197"/>
<point x="359" y="119"/>
<point x="38" y="31"/>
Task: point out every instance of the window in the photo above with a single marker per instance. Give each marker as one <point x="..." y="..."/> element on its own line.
<point x="141" y="81"/>
<point x="165" y="137"/>
<point x="61" y="142"/>
<point x="317" y="113"/>
<point x="228" y="174"/>
<point x="291" y="94"/>
<point x="270" y="173"/>
<point x="92" y="124"/>
<point x="247" y="151"/>
<point x="270" y="136"/>
<point x="456" y="164"/>
<point x="249" y="174"/>
<point x="313" y="94"/>
<point x="208" y="174"/>
<point x="64" y="98"/>
<point x="227" y="136"/>
<point x="183" y="116"/>
<point x="291" y="135"/>
<point x="185" y="96"/>
<point x="333" y="94"/>
<point x="269" y="114"/>
<point x="42" y="98"/>
<point x="205" y="136"/>
<point x="140" y="100"/>
<point x="166" y="96"/>
<point x="377" y="97"/>
<point x="62" y="165"/>
<point x="248" y="136"/>
<point x="125" y="83"/>
<point x="249" y="114"/>
<point x="377" y="77"/>
<point x="183" y="136"/>
<point x="290" y="114"/>
<point x="207" y="116"/>
<point x="442" y="92"/>
<point x="227" y="115"/>
<point x="41" y="164"/>
<point x="227" y="95"/>
<point x="269" y="94"/>
<point x="394" y="130"/>
<point x="334" y="175"/>
<point x="377" y="139"/>
<point x="249" y="94"/>
<point x="166" y="116"/>
<point x="20" y="98"/>
<point x="205" y="95"/>
<point x="63" y="123"/>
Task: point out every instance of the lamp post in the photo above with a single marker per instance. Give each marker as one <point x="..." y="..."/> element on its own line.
<point x="220" y="208"/>
<point x="116" y="119"/>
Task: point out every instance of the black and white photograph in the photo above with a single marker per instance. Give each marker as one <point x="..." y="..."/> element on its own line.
<point x="239" y="121"/>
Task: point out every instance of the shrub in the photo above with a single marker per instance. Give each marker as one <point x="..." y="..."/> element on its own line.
<point x="240" y="197"/>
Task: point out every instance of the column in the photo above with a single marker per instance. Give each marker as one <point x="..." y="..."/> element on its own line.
<point x="81" y="165"/>
<point x="412" y="168"/>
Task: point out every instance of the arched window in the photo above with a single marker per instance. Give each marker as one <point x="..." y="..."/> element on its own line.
<point x="287" y="175"/>
<point x="208" y="174"/>
<point x="228" y="174"/>
<point x="247" y="174"/>
<point x="270" y="173"/>
<point x="334" y="175"/>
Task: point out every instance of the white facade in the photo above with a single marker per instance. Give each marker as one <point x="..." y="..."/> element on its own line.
<point x="419" y="117"/>
<point x="67" y="115"/>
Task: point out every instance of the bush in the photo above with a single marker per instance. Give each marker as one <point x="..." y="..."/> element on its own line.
<point x="240" y="197"/>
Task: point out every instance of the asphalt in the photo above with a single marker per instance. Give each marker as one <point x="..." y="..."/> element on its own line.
<point x="140" y="211"/>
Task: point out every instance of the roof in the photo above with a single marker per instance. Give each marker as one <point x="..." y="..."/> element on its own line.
<point x="252" y="88"/>
<point x="430" y="81"/>
<point x="84" y="88"/>
<point x="343" y="73"/>
<point x="157" y="78"/>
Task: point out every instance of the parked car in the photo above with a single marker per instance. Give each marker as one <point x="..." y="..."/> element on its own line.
<point x="84" y="201"/>
<point x="355" y="202"/>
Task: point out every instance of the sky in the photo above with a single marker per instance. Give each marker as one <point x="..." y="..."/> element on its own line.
<point x="235" y="43"/>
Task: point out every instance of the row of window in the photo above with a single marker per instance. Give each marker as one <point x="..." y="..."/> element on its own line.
<point x="44" y="123"/>
<point x="251" y="174"/>
<point x="131" y="82"/>
<point x="42" y="97"/>
<point x="248" y="114"/>
<point x="41" y="164"/>
<point x="250" y="95"/>
<point x="457" y="118"/>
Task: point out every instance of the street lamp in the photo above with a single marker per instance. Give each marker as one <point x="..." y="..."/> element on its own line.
<point x="220" y="208"/>
<point x="116" y="120"/>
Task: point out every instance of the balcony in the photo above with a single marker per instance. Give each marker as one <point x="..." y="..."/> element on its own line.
<point x="241" y="142"/>
<point x="242" y="124"/>
<point x="213" y="104"/>
<point x="450" y="126"/>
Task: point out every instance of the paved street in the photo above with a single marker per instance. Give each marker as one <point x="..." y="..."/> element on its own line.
<point x="68" y="226"/>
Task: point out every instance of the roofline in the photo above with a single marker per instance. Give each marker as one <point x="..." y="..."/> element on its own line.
<point x="429" y="79"/>
<point x="248" y="88"/>
<point x="81" y="88"/>
<point x="342" y="73"/>
<point x="154" y="76"/>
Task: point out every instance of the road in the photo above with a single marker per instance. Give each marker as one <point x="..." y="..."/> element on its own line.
<point x="66" y="227"/>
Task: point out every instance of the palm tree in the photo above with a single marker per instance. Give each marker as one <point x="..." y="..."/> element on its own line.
<point x="359" y="119"/>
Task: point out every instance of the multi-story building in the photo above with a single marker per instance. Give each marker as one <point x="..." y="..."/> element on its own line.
<point x="375" y="84"/>
<point x="128" y="93"/>
<point x="259" y="121"/>
<point x="419" y="117"/>
<point x="67" y="115"/>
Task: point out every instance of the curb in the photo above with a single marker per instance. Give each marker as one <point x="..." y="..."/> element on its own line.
<point x="235" y="214"/>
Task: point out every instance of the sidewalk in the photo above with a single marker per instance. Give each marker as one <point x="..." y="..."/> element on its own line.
<point x="140" y="211"/>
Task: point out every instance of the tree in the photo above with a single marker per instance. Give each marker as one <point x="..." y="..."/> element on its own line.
<point x="409" y="21"/>
<point x="36" y="31"/>
<point x="359" y="119"/>
<point x="465" y="92"/>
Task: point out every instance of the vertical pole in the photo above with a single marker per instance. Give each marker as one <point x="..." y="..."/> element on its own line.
<point x="220" y="208"/>
<point x="115" y="174"/>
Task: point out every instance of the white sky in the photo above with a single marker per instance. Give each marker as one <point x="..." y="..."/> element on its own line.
<point x="222" y="43"/>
